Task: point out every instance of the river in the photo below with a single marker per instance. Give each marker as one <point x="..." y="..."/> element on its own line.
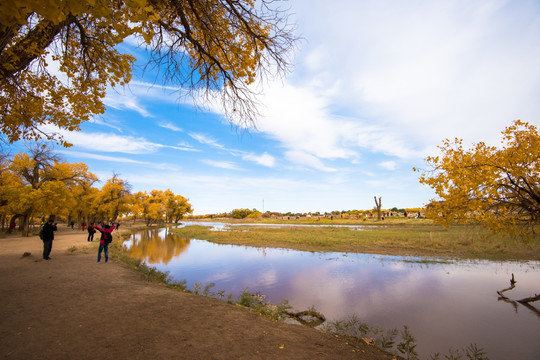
<point x="445" y="303"/>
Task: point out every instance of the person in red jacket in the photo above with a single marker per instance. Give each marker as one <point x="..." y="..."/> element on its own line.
<point x="103" y="244"/>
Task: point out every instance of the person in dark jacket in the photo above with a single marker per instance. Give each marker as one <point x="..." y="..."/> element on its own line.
<point x="91" y="232"/>
<point x="48" y="236"/>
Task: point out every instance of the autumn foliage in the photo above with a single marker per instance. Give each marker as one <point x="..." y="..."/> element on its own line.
<point x="58" y="57"/>
<point x="498" y="187"/>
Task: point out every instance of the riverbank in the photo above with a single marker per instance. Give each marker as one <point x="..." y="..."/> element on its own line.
<point x="72" y="307"/>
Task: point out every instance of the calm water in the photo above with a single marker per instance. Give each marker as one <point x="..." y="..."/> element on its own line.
<point x="445" y="305"/>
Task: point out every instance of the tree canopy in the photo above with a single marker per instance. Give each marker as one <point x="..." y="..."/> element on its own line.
<point x="497" y="187"/>
<point x="57" y="57"/>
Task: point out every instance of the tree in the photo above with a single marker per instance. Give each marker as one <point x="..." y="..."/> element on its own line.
<point x="86" y="205"/>
<point x="242" y="213"/>
<point x="378" y="207"/>
<point x="496" y="187"/>
<point x="113" y="198"/>
<point x="218" y="47"/>
<point x="42" y="184"/>
<point x="176" y="206"/>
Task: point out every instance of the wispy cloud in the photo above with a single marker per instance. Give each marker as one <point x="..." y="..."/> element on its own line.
<point x="207" y="140"/>
<point x="307" y="160"/>
<point x="222" y="164"/>
<point x="170" y="126"/>
<point x="264" y="159"/>
<point x="108" y="142"/>
<point x="86" y="155"/>
<point x="125" y="101"/>
<point x="184" y="147"/>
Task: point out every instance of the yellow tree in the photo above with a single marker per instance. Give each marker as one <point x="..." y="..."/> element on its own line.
<point x="152" y="206"/>
<point x="176" y="206"/>
<point x="496" y="187"/>
<point x="217" y="46"/>
<point x="85" y="206"/>
<point x="113" y="199"/>
<point x="9" y="184"/>
<point x="44" y="185"/>
<point x="136" y="205"/>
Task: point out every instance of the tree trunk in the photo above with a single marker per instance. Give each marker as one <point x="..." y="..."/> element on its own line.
<point x="378" y="207"/>
<point x="25" y="223"/>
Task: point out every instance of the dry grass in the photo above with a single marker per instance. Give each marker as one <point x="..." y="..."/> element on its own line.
<point x="408" y="238"/>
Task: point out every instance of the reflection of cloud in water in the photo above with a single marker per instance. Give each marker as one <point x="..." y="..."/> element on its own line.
<point x="216" y="277"/>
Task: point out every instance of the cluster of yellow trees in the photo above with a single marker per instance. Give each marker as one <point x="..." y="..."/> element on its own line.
<point x="38" y="184"/>
<point x="496" y="187"/>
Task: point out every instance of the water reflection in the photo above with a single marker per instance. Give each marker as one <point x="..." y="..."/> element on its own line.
<point x="219" y="226"/>
<point x="446" y="304"/>
<point x="156" y="246"/>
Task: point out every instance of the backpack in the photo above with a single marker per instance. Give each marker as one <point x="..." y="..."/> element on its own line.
<point x="41" y="233"/>
<point x="108" y="237"/>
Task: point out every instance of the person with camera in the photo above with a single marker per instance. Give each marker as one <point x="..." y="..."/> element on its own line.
<point x="106" y="238"/>
<point x="48" y="236"/>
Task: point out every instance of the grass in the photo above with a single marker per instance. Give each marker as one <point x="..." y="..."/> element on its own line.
<point x="400" y="343"/>
<point x="403" y="237"/>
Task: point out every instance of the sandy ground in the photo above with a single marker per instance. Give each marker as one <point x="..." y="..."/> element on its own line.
<point x="72" y="308"/>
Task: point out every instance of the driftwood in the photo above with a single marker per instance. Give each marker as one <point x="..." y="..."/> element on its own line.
<point x="525" y="301"/>
<point x="536" y="297"/>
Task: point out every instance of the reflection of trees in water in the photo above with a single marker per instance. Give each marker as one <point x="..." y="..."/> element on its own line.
<point x="154" y="246"/>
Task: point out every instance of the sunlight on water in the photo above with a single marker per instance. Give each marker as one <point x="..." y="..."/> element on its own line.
<point x="445" y="303"/>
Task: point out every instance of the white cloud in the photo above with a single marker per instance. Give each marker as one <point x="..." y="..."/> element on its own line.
<point x="264" y="159"/>
<point x="307" y="160"/>
<point x="170" y="126"/>
<point x="105" y="142"/>
<point x="86" y="155"/>
<point x="301" y="119"/>
<point x="184" y="147"/>
<point x="423" y="71"/>
<point x="388" y="165"/>
<point x="124" y="101"/>
<point x="109" y="142"/>
<point x="207" y="140"/>
<point x="222" y="164"/>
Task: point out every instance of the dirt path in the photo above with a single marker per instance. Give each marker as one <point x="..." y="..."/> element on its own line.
<point x="70" y="307"/>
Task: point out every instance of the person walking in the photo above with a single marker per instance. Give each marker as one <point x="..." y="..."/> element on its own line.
<point x="91" y="232"/>
<point x="106" y="231"/>
<point x="48" y="236"/>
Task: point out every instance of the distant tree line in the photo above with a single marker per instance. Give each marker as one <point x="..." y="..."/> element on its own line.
<point x="254" y="213"/>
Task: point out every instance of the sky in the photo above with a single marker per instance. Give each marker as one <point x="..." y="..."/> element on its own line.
<point x="374" y="88"/>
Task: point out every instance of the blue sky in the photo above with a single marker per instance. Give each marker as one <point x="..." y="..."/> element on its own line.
<point x="375" y="87"/>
